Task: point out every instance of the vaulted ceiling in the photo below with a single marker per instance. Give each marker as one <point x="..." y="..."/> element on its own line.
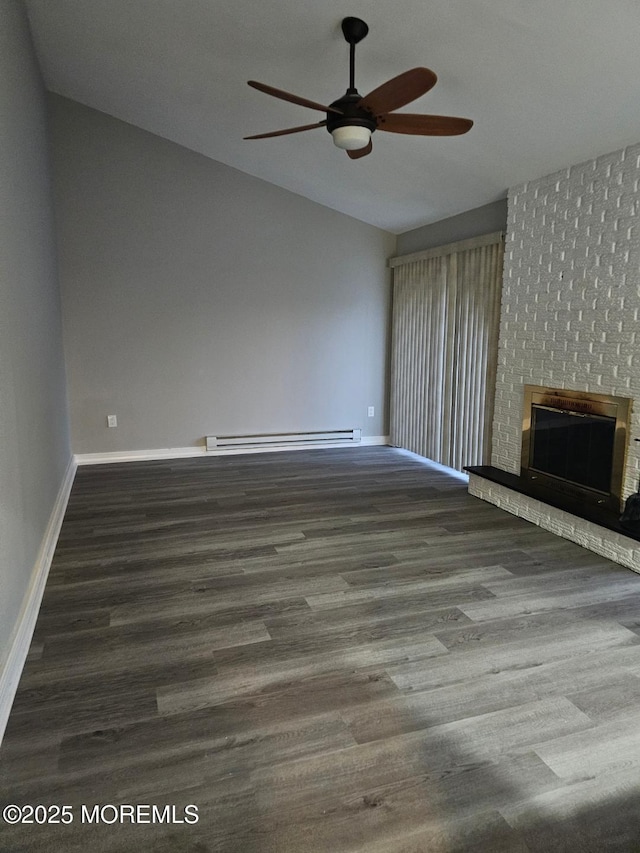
<point x="547" y="83"/>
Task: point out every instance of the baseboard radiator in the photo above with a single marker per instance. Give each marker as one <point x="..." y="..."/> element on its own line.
<point x="285" y="439"/>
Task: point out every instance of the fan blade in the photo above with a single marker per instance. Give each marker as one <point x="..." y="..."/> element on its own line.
<point x="361" y="152"/>
<point x="424" y="125"/>
<point x="400" y="91"/>
<point x="287" y="130"/>
<point x="294" y="99"/>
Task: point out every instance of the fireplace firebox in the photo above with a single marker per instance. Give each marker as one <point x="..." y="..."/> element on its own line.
<point x="574" y="445"/>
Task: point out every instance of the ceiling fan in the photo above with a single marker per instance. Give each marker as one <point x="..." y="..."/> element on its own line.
<point x="352" y="118"/>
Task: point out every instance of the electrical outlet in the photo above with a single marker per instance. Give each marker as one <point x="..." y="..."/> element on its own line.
<point x="371" y="412"/>
<point x="112" y="421"/>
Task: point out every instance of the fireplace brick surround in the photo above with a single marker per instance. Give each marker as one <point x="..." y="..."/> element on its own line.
<point x="570" y="319"/>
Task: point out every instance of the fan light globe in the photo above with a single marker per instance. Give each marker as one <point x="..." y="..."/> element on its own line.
<point x="351" y="137"/>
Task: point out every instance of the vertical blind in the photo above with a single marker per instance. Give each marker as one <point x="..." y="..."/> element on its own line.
<point x="446" y="316"/>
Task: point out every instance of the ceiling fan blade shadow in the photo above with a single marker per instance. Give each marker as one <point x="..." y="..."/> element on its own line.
<point x="400" y="90"/>
<point x="424" y="125"/>
<point x="286" y="130"/>
<point x="361" y="152"/>
<point x="293" y="99"/>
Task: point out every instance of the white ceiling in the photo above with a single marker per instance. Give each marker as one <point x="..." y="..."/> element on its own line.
<point x="548" y="83"/>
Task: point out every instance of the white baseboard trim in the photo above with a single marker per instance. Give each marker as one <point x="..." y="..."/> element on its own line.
<point x="188" y="452"/>
<point x="26" y="623"/>
<point x="138" y="455"/>
<point x="374" y="441"/>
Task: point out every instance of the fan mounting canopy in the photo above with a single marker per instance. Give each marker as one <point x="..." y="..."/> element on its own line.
<point x="354" y="30"/>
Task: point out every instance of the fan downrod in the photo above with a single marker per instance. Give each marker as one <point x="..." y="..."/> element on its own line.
<point x="354" y="30"/>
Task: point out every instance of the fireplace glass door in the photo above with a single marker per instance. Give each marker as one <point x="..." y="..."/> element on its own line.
<point x="573" y="446"/>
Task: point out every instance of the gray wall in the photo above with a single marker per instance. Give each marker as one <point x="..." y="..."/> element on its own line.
<point x="199" y="300"/>
<point x="471" y="223"/>
<point x="34" y="435"/>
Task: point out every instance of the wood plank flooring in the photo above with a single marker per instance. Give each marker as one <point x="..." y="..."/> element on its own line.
<point x="331" y="651"/>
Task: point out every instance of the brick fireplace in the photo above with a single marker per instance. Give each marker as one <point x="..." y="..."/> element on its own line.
<point x="570" y="319"/>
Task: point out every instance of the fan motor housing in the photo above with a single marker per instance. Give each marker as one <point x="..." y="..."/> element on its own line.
<point x="352" y="115"/>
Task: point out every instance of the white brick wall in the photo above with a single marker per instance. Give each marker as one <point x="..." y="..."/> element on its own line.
<point x="571" y="306"/>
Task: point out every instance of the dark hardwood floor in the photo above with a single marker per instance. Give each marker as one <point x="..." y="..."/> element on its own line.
<point x="334" y="651"/>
